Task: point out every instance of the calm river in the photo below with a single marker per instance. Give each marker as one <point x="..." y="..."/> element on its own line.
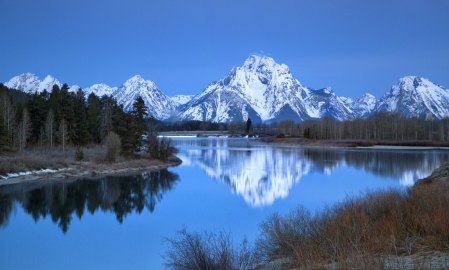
<point x="118" y="222"/>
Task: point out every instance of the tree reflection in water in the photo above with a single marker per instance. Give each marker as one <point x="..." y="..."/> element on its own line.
<point x="121" y="195"/>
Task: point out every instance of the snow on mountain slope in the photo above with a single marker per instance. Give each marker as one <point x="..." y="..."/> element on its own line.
<point x="159" y="105"/>
<point x="414" y="96"/>
<point x="265" y="91"/>
<point x="30" y="83"/>
<point x="347" y="100"/>
<point x="325" y="103"/>
<point x="100" y="90"/>
<point x="364" y="105"/>
<point x="182" y="99"/>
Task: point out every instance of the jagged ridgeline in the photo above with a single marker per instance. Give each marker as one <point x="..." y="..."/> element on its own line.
<point x="264" y="91"/>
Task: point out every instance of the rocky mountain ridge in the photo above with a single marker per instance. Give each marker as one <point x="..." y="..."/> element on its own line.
<point x="264" y="91"/>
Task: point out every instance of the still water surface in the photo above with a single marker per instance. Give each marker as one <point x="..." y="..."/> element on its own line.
<point x="118" y="222"/>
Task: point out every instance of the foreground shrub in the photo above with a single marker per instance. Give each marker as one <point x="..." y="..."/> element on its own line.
<point x="160" y="148"/>
<point x="208" y="250"/>
<point x="79" y="154"/>
<point x="357" y="232"/>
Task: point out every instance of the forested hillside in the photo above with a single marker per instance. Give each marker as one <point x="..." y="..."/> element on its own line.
<point x="59" y="117"/>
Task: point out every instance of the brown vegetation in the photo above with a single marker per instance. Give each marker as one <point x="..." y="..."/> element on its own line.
<point x="208" y="250"/>
<point x="362" y="231"/>
<point x="94" y="161"/>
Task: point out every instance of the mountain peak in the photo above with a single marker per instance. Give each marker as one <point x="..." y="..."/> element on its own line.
<point x="136" y="78"/>
<point x="254" y="61"/>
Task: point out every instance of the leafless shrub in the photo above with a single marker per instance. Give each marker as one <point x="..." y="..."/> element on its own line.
<point x="360" y="231"/>
<point x="112" y="144"/>
<point x="208" y="250"/>
<point x="160" y="148"/>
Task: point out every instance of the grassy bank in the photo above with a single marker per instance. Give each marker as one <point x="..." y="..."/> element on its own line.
<point x="65" y="165"/>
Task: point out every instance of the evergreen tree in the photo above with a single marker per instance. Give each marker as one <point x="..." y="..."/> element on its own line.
<point x="80" y="126"/>
<point x="248" y="125"/>
<point x="126" y="127"/>
<point x="140" y="111"/>
<point x="53" y="102"/>
<point x="4" y="137"/>
<point x="36" y="109"/>
<point x="105" y="119"/>
<point x="93" y="115"/>
<point x="65" y="111"/>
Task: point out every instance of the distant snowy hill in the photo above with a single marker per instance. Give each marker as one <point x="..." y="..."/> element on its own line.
<point x="264" y="91"/>
<point x="100" y="90"/>
<point x="414" y="96"/>
<point x="182" y="99"/>
<point x="159" y="104"/>
<point x="30" y="83"/>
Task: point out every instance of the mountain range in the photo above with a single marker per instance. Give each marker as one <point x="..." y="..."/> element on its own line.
<point x="263" y="90"/>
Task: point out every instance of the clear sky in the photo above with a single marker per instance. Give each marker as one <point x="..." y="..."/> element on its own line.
<point x="353" y="46"/>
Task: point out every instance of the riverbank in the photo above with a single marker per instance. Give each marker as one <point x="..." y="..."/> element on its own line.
<point x="51" y="164"/>
<point x="373" y="144"/>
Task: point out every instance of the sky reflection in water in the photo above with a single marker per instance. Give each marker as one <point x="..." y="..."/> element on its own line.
<point x="118" y="222"/>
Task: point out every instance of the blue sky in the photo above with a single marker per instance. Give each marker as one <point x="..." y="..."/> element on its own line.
<point x="353" y="46"/>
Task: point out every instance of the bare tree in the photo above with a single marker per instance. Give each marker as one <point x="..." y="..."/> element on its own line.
<point x="23" y="131"/>
<point x="63" y="133"/>
<point x="112" y="143"/>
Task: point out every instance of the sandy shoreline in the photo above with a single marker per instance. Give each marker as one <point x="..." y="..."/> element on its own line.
<point x="83" y="169"/>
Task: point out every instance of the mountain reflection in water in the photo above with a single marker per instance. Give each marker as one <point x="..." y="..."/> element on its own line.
<point x="261" y="173"/>
<point x="120" y="195"/>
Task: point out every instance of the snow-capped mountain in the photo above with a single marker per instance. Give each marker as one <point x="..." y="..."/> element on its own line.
<point x="182" y="99"/>
<point x="347" y="101"/>
<point x="364" y="105"/>
<point x="159" y="104"/>
<point x="30" y="83"/>
<point x="264" y="91"/>
<point x="100" y="90"/>
<point x="414" y="96"/>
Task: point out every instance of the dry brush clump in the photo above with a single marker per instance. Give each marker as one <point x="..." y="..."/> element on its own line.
<point x="208" y="251"/>
<point x="160" y="148"/>
<point x="361" y="231"/>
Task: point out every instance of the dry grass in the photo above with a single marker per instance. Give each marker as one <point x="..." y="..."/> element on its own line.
<point x="208" y="250"/>
<point x="94" y="159"/>
<point x="363" y="232"/>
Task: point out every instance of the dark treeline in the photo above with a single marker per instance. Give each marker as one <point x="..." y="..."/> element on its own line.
<point x="60" y="118"/>
<point x="192" y="125"/>
<point x="379" y="126"/>
<point x="120" y="195"/>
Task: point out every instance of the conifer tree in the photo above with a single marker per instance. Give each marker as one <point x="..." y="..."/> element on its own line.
<point x="93" y="114"/>
<point x="4" y="138"/>
<point x="80" y="126"/>
<point x="105" y="119"/>
<point x="36" y="109"/>
<point x="140" y="111"/>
